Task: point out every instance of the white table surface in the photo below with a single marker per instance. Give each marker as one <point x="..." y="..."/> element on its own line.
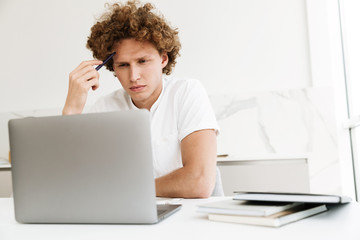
<point x="340" y="222"/>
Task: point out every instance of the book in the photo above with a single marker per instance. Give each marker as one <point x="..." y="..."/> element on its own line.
<point x="166" y="200"/>
<point x="248" y="208"/>
<point x="276" y="220"/>
<point x="291" y="197"/>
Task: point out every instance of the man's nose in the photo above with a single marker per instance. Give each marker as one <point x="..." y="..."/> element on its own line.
<point x="134" y="73"/>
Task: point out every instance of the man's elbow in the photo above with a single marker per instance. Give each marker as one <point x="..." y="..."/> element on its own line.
<point x="202" y="187"/>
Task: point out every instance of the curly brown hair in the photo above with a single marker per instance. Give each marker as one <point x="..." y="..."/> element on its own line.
<point x="132" y="20"/>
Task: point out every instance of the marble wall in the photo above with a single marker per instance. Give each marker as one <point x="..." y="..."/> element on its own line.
<point x="298" y="122"/>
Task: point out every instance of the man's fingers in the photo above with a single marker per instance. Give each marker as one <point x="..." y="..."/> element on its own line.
<point x="88" y="77"/>
<point x="89" y="63"/>
<point x="93" y="83"/>
<point x="86" y="64"/>
<point x="84" y="74"/>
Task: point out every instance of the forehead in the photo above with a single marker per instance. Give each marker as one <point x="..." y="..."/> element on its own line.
<point x="130" y="48"/>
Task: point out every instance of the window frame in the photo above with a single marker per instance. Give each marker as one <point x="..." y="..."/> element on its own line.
<point x="328" y="69"/>
<point x="353" y="121"/>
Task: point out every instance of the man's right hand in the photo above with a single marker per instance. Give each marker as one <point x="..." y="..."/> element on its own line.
<point x="81" y="79"/>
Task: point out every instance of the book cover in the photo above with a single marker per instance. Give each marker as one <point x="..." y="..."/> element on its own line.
<point x="249" y="208"/>
<point x="291" y="197"/>
<point x="276" y="220"/>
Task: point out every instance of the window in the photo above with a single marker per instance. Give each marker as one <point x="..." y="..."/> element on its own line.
<point x="350" y="18"/>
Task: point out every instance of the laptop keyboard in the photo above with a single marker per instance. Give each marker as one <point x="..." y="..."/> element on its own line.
<point x="160" y="211"/>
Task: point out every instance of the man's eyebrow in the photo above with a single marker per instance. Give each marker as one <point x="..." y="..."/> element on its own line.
<point x="136" y="59"/>
<point x="143" y="57"/>
<point x="118" y="62"/>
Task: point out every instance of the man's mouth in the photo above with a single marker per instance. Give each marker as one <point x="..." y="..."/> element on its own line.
<point x="137" y="88"/>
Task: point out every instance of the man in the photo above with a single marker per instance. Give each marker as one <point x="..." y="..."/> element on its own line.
<point x="183" y="124"/>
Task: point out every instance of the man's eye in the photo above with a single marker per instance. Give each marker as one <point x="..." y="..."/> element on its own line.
<point x="142" y="61"/>
<point x="122" y="65"/>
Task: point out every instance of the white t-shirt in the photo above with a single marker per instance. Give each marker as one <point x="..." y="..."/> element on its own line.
<point x="182" y="108"/>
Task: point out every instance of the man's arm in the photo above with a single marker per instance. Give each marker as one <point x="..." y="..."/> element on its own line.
<point x="196" y="179"/>
<point x="81" y="79"/>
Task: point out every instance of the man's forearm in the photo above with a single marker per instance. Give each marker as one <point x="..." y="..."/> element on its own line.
<point x="186" y="184"/>
<point x="196" y="179"/>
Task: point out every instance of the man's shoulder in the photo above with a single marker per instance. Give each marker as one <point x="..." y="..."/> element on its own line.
<point x="184" y="91"/>
<point x="181" y="84"/>
<point x="180" y="81"/>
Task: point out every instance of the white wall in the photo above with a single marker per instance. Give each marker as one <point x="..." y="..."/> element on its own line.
<point x="351" y="36"/>
<point x="231" y="46"/>
<point x="234" y="47"/>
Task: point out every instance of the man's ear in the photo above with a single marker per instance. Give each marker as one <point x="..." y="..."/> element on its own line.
<point x="164" y="59"/>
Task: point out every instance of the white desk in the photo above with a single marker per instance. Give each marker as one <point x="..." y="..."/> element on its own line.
<point x="341" y="222"/>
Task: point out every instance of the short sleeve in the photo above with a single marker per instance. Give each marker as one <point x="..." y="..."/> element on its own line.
<point x="194" y="109"/>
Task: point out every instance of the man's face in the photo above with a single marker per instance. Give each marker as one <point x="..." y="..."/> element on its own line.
<point x="138" y="66"/>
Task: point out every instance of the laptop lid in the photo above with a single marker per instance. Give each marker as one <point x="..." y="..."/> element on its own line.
<point x="89" y="168"/>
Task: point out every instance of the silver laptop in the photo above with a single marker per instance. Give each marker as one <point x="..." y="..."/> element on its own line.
<point x="89" y="168"/>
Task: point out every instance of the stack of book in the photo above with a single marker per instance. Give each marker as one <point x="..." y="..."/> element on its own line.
<point x="269" y="209"/>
